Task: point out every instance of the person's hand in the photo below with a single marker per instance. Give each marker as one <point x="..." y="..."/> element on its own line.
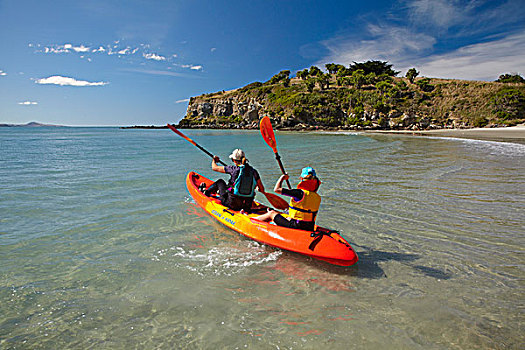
<point x="216" y="159"/>
<point x="285" y="177"/>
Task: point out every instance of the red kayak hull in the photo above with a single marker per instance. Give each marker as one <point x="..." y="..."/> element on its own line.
<point x="322" y="244"/>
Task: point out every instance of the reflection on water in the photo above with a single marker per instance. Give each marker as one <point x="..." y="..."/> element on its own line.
<point x="101" y="246"/>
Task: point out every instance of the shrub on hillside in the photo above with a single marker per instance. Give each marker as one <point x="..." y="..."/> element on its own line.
<point x="281" y="76"/>
<point x="424" y="85"/>
<point x="480" y="122"/>
<point x="250" y="86"/>
<point x="509" y="103"/>
<point x="511" y="78"/>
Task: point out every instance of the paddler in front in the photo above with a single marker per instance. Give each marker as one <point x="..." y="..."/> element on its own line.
<point x="304" y="202"/>
<point x="244" y="179"/>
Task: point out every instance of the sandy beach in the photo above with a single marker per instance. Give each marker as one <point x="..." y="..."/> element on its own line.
<point x="506" y="134"/>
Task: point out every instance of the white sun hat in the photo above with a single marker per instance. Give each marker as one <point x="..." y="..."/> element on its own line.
<point x="237" y="154"/>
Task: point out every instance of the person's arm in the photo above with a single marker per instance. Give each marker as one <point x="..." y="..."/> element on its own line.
<point x="216" y="167"/>
<point x="260" y="186"/>
<point x="296" y="193"/>
<point x="279" y="184"/>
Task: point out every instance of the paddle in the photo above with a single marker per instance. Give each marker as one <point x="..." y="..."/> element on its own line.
<point x="274" y="199"/>
<point x="269" y="137"/>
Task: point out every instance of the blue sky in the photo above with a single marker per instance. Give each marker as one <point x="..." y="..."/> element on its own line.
<point x="139" y="61"/>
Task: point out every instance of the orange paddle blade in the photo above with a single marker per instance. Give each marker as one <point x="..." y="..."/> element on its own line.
<point x="267" y="133"/>
<point x="276" y="201"/>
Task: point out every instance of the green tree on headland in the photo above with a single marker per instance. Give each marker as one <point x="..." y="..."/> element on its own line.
<point x="310" y="84"/>
<point x="342" y="71"/>
<point x="303" y="74"/>
<point x="315" y="71"/>
<point x="281" y="76"/>
<point x="377" y="67"/>
<point x="343" y="81"/>
<point x="323" y="80"/>
<point x="333" y="68"/>
<point x="511" y="78"/>
<point x="412" y="73"/>
<point x="358" y="78"/>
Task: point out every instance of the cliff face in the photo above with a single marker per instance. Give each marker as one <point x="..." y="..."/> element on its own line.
<point x="233" y="111"/>
<point x="396" y="104"/>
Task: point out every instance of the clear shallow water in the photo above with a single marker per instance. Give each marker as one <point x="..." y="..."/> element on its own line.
<point x="101" y="246"/>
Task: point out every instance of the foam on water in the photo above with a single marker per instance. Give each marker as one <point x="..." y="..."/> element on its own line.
<point x="219" y="260"/>
<point x="494" y="147"/>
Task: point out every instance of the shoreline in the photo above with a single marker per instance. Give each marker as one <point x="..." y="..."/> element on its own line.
<point x="504" y="134"/>
<point x="514" y="134"/>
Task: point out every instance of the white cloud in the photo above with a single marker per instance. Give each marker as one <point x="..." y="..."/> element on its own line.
<point x="66" y="81"/>
<point x="28" y="103"/>
<point x="440" y="13"/>
<point x="66" y="48"/>
<point x="484" y="61"/>
<point x="124" y="51"/>
<point x="56" y="50"/>
<point x="152" y="56"/>
<point x="2" y="73"/>
<point x="80" y="48"/>
<point x="69" y="48"/>
<point x="392" y="43"/>
<point x="183" y="101"/>
<point x="116" y="48"/>
<point x="432" y="24"/>
<point x="191" y="66"/>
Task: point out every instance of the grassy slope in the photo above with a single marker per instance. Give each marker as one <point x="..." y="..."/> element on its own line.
<point x="450" y="102"/>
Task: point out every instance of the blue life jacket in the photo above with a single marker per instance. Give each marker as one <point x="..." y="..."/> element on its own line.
<point x="245" y="183"/>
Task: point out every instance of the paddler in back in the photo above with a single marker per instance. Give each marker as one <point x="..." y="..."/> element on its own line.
<point x="239" y="192"/>
<point x="304" y="202"/>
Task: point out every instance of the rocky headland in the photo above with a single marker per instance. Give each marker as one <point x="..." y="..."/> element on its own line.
<point x="360" y="100"/>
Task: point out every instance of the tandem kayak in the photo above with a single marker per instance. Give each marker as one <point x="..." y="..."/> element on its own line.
<point x="322" y="244"/>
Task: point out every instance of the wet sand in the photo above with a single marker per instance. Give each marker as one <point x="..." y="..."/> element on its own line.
<point x="508" y="134"/>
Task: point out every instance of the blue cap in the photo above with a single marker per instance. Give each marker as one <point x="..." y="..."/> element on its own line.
<point x="308" y="171"/>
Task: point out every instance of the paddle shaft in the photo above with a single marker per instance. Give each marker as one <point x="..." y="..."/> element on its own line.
<point x="275" y="200"/>
<point x="193" y="142"/>
<point x="278" y="157"/>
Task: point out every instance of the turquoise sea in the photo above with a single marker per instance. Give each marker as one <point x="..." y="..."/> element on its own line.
<point x="101" y="246"/>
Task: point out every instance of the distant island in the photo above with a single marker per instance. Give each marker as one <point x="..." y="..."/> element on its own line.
<point x="31" y="125"/>
<point x="363" y="96"/>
